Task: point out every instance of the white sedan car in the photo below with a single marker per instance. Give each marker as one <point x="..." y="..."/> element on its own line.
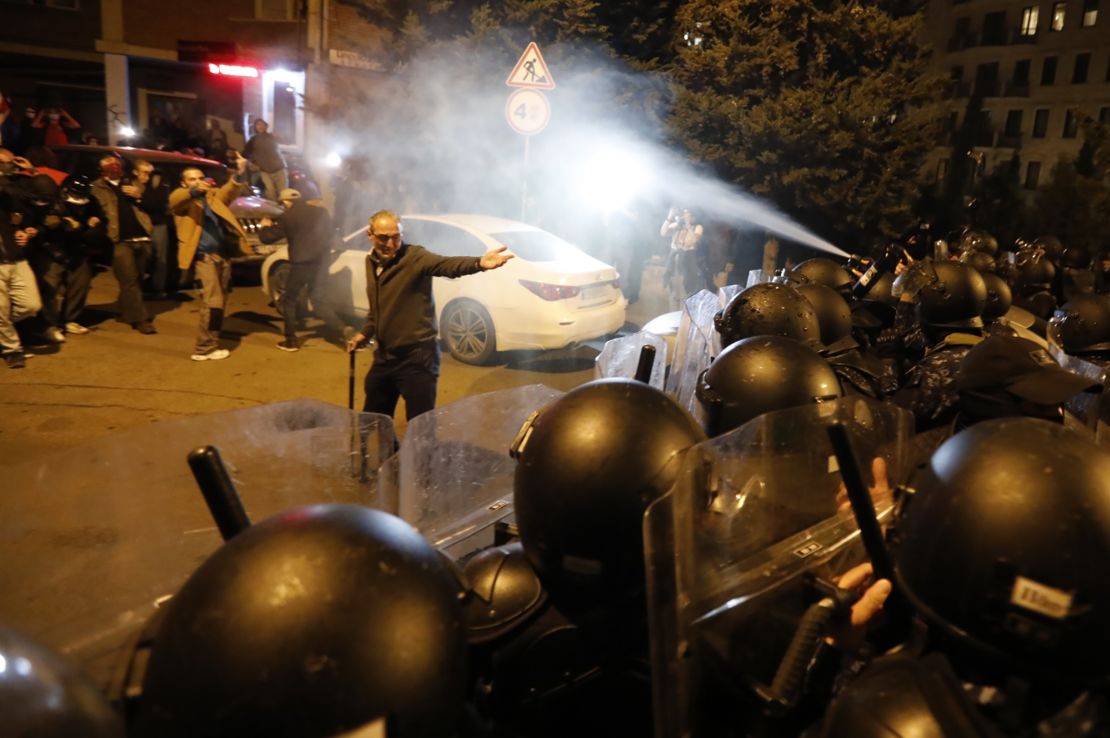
<point x="550" y="296"/>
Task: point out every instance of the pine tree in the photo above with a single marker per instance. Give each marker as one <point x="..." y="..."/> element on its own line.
<point x="821" y="107"/>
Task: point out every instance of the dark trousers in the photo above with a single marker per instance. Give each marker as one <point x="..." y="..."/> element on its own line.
<point x="129" y="259"/>
<point x="411" y="374"/>
<point x="64" y="287"/>
<point x="310" y="276"/>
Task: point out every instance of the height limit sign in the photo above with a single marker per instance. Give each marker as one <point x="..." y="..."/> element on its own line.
<point x="527" y="110"/>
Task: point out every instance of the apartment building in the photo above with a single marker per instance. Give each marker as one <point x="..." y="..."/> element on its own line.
<point x="1038" y="67"/>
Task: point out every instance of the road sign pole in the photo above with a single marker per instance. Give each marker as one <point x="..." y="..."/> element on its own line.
<point x="524" y="186"/>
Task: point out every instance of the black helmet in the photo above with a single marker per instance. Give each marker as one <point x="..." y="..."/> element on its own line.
<point x="589" y="464"/>
<point x="955" y="299"/>
<point x="314" y="622"/>
<point x="902" y="696"/>
<point x="980" y="261"/>
<point x="767" y="310"/>
<point x="823" y="271"/>
<point x="77" y="189"/>
<point x="1051" y="247"/>
<point x="999" y="297"/>
<point x="1001" y="548"/>
<point x="833" y="314"/>
<point x="761" y="374"/>
<point x="975" y="240"/>
<point x="43" y="696"/>
<point x="505" y="592"/>
<point x="1084" y="324"/>
<point x="1076" y="257"/>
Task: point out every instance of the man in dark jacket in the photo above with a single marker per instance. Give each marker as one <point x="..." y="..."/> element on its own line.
<point x="263" y="153"/>
<point x="309" y="230"/>
<point x="401" y="315"/>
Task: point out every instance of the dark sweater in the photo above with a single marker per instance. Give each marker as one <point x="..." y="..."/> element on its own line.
<point x="308" y="229"/>
<point x="401" y="309"/>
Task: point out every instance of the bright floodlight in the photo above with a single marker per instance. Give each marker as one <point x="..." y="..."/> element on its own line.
<point x="610" y="178"/>
<point x="126" y="131"/>
<point x="333" y="160"/>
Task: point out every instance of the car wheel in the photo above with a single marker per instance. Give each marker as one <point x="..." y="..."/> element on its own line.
<point x="279" y="277"/>
<point x="468" y="332"/>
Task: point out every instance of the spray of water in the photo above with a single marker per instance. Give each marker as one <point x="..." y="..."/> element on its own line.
<point x="435" y="139"/>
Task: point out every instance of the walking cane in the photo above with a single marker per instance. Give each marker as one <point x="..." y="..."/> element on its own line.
<point x="358" y="449"/>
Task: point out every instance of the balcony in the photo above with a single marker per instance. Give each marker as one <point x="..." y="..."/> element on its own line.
<point x="1017" y="37"/>
<point x="984" y="139"/>
<point x="1015" y="89"/>
<point x="955" y="88"/>
<point x="1009" y="142"/>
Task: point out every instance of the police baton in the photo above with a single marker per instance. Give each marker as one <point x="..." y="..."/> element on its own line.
<point x="219" y="493"/>
<point x="897" y="608"/>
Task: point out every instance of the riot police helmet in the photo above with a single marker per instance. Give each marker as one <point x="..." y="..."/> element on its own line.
<point x="588" y="466"/>
<point x="759" y="375"/>
<point x="999" y="297"/>
<point x="821" y="270"/>
<point x="977" y="240"/>
<point x="1000" y="549"/>
<point x="955" y="298"/>
<point x="768" y="310"/>
<point x="44" y="696"/>
<point x="1083" y="324"/>
<point x="833" y="314"/>
<point x="980" y="261"/>
<point x="319" y="621"/>
<point x="504" y="592"/>
<point x="1051" y="246"/>
<point x="1076" y="257"/>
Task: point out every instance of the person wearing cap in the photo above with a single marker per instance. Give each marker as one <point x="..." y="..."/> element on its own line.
<point x="208" y="234"/>
<point x="309" y="231"/>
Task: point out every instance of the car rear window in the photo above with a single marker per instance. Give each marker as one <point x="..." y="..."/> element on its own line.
<point x="535" y="245"/>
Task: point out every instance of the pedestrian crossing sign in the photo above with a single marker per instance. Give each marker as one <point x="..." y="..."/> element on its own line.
<point x="531" y="70"/>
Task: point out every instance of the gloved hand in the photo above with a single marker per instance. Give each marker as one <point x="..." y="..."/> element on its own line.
<point x="916" y="277"/>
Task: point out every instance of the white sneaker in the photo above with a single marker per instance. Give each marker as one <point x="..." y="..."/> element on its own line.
<point x="55" y="335"/>
<point x="212" y="355"/>
<point x="76" y="329"/>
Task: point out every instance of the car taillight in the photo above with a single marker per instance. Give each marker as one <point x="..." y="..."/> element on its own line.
<point x="550" y="292"/>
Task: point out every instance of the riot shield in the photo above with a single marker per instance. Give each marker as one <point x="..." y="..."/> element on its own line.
<point x="732" y="550"/>
<point x="697" y="342"/>
<point x="94" y="536"/>
<point x="452" y="479"/>
<point x="621" y="356"/>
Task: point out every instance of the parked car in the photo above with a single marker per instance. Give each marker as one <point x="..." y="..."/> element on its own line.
<point x="550" y="296"/>
<point x="249" y="209"/>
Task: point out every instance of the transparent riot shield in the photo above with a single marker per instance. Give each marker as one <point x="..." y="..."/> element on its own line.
<point x="621" y="356"/>
<point x="735" y="550"/>
<point x="93" y="537"/>
<point x="1091" y="409"/>
<point x="452" y="479"/>
<point x="697" y="342"/>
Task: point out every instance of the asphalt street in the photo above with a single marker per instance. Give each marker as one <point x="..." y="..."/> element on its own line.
<point x="114" y="377"/>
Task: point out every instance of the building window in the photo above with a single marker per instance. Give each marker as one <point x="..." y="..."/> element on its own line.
<point x="942" y="170"/>
<point x="1013" y="123"/>
<point x="1029" y="18"/>
<point x="1082" y="64"/>
<point x="994" y="28"/>
<point x="986" y="79"/>
<point x="1090" y="14"/>
<point x="1104" y="115"/>
<point x="1032" y="174"/>
<point x="1040" y="123"/>
<point x="276" y="10"/>
<point x="1058" y="16"/>
<point x="1071" y="124"/>
<point x="1048" y="71"/>
<point x="1021" y="72"/>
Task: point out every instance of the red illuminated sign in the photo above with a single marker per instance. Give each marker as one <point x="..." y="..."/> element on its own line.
<point x="232" y="70"/>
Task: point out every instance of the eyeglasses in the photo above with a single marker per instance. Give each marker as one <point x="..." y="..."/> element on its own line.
<point x="384" y="238"/>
